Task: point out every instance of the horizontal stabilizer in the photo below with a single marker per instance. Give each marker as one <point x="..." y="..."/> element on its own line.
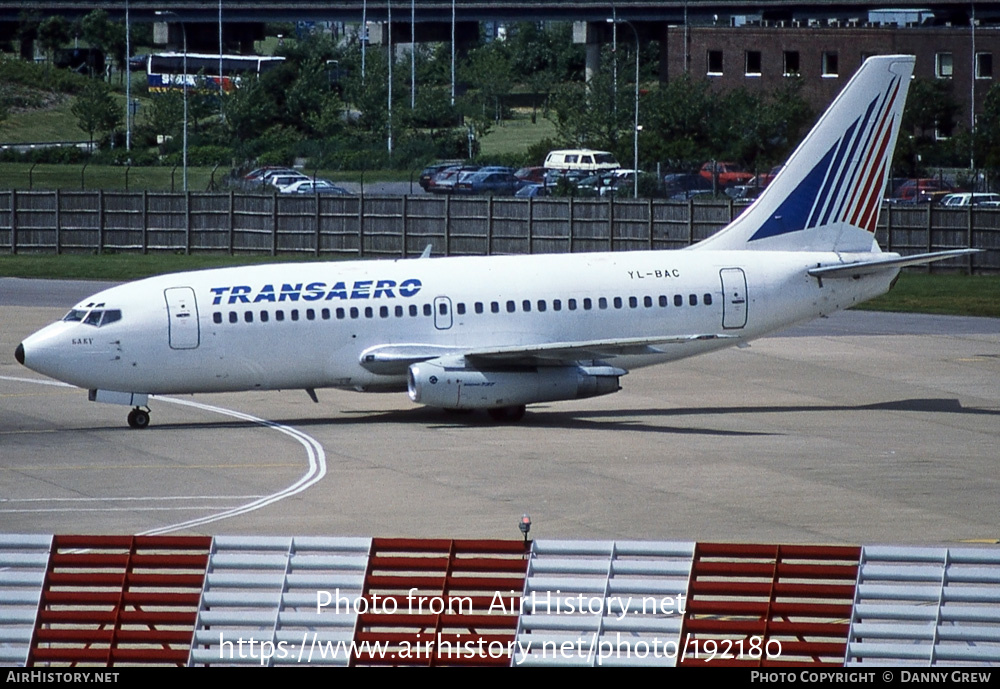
<point x="859" y="268"/>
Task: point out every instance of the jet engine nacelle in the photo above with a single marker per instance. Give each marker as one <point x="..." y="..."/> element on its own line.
<point x="437" y="385"/>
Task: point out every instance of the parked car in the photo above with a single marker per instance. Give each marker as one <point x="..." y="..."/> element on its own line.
<point x="489" y="182"/>
<point x="922" y="190"/>
<point x="681" y="186"/>
<point x="534" y="174"/>
<point x="314" y="186"/>
<point x="444" y="182"/>
<point x="726" y="173"/>
<point x="764" y="178"/>
<point x="533" y="191"/>
<point x="281" y="181"/>
<point x="583" y="159"/>
<point x="965" y="199"/>
<point x="743" y="192"/>
<point x="428" y="173"/>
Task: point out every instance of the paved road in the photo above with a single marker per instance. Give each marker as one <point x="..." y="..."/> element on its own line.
<point x="860" y="428"/>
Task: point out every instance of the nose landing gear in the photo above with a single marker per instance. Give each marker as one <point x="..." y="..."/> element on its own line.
<point x="138" y="417"/>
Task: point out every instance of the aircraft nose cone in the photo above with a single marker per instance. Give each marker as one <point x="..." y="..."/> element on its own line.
<point x="19" y="354"/>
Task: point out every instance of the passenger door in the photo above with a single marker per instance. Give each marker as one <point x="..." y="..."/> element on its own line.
<point x="182" y="318"/>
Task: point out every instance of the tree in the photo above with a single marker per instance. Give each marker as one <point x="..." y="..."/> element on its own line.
<point x="929" y="117"/>
<point x="986" y="140"/>
<point x="52" y="34"/>
<point x="488" y="70"/>
<point x="96" y="111"/>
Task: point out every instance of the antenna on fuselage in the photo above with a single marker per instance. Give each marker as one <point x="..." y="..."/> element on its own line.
<point x="427" y="251"/>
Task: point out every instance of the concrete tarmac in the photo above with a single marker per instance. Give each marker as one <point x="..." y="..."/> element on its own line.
<point x="861" y="428"/>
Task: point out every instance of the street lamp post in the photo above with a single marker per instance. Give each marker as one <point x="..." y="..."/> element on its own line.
<point x="128" y="82"/>
<point x="184" y="158"/>
<point x="635" y="124"/>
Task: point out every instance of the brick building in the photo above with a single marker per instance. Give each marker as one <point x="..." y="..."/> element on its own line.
<point x="765" y="55"/>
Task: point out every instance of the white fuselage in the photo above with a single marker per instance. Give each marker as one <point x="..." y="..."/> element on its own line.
<point x="306" y="325"/>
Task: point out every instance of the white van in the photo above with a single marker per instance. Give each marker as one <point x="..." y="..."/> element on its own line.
<point x="581" y="159"/>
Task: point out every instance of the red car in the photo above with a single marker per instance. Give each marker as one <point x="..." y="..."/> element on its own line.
<point x="921" y="190"/>
<point x="728" y="173"/>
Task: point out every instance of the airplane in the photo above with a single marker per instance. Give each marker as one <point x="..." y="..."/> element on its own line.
<point x="497" y="333"/>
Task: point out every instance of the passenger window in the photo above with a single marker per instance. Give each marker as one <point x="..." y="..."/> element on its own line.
<point x="216" y="317"/>
<point x="233" y="317"/>
<point x="399" y="311"/>
<point x="693" y="299"/>
<point x="354" y="312"/>
<point x="678" y="300"/>
<point x="427" y="310"/>
<point x="556" y="305"/>
<point x="602" y="302"/>
<point x="414" y="311"/>
<point x="663" y="300"/>
<point x="279" y="315"/>
<point x="541" y="304"/>
<point x="369" y="312"/>
<point x="571" y="304"/>
<point x="511" y="307"/>
<point x="383" y="311"/>
<point x="618" y="302"/>
<point x="479" y="307"/>
<point x="248" y="316"/>
<point x="587" y="304"/>
<point x="495" y="306"/>
<point x="294" y="314"/>
<point x="264" y="315"/>
<point x="633" y="302"/>
<point x="647" y="302"/>
<point x="340" y="314"/>
<point x="325" y="313"/>
<point x="526" y="305"/>
<point x="460" y="308"/>
<point x="708" y="300"/>
<point x="310" y="314"/>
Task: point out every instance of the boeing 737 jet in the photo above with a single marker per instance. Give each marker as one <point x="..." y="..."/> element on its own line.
<point x="499" y="333"/>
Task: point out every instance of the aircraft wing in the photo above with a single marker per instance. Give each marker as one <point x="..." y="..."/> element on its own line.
<point x="850" y="270"/>
<point x="395" y="359"/>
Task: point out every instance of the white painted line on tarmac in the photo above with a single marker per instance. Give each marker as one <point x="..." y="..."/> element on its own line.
<point x="315" y="471"/>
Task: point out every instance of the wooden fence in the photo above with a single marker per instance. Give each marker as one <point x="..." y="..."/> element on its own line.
<point x="400" y="226"/>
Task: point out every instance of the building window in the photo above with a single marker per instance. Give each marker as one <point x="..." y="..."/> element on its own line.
<point x="830" y="66"/>
<point x="943" y="67"/>
<point x="791" y="66"/>
<point x="715" y="63"/>
<point x="753" y="63"/>
<point x="984" y="65"/>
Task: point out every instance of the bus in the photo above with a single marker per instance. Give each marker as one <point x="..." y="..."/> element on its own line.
<point x="165" y="71"/>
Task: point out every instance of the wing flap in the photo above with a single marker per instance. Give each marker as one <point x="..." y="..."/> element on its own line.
<point x="396" y="359"/>
<point x="552" y="353"/>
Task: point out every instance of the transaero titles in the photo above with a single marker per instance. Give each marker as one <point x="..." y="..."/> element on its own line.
<point x="316" y="291"/>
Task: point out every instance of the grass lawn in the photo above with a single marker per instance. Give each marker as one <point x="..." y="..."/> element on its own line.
<point x="515" y="136"/>
<point x="55" y="123"/>
<point x="975" y="295"/>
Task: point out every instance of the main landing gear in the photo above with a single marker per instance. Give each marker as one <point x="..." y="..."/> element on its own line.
<point x="507" y="414"/>
<point x="138" y="417"/>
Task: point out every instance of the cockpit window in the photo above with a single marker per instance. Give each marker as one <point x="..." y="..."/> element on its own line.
<point x="95" y="317"/>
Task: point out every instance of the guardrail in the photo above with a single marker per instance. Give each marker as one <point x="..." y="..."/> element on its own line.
<point x="400" y="226"/>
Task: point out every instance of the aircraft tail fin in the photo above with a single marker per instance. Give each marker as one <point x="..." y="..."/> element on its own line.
<point x="828" y="195"/>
